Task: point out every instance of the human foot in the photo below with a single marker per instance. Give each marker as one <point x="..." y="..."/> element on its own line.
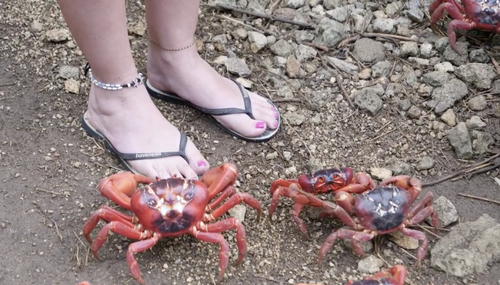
<point x="186" y="74"/>
<point x="130" y="121"/>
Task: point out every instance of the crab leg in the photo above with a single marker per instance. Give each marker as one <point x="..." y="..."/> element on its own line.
<point x="345" y="233"/>
<point x="296" y="209"/>
<point x="424" y="242"/>
<point x="139" y="246"/>
<point x="224" y="248"/>
<point x="226" y="193"/>
<point x="361" y="183"/>
<point x="107" y="214"/>
<point x="418" y="213"/>
<point x="118" y="228"/>
<point x="233" y="201"/>
<point x="229" y="224"/>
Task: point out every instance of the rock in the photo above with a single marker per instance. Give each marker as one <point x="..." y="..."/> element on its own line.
<point x="453" y="57"/>
<point x="343" y="65"/>
<point x="480" y="75"/>
<point x="481" y="141"/>
<point x="475" y="123"/>
<point x="444" y="67"/>
<point x="72" y="86"/>
<point x="384" y="25"/>
<point x="238" y="212"/>
<point x="479" y="55"/>
<point x="244" y="82"/>
<point x="449" y="118"/>
<point x="295" y="3"/>
<point x="240" y="33"/>
<point x="370" y="264"/>
<point x="414" y="112"/>
<point x="68" y="71"/>
<point x="292" y="66"/>
<point x="368" y="100"/>
<point x="445" y="97"/>
<point x="477" y="103"/>
<point x="237" y="66"/>
<point x="381" y="68"/>
<point x="468" y="248"/>
<point x="402" y="240"/>
<point x="436" y="78"/>
<point x="304" y="52"/>
<point x="257" y="41"/>
<point x="399" y="167"/>
<point x="380" y="173"/>
<point x="294" y="118"/>
<point x="368" y="50"/>
<point x="36" y="26"/>
<point x="460" y="139"/>
<point x="426" y="50"/>
<point x="426" y="163"/>
<point x="282" y="48"/>
<point x="446" y="211"/>
<point x="409" y="49"/>
<point x="58" y="35"/>
<point x="365" y="73"/>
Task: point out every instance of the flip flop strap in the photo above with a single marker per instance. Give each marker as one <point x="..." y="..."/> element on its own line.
<point x="232" y="111"/>
<point x="154" y="155"/>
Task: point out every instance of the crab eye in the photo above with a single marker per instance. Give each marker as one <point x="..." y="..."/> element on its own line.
<point x="188" y="196"/>
<point x="151" y="202"/>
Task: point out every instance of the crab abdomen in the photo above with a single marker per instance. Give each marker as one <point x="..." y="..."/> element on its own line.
<point x="382" y="209"/>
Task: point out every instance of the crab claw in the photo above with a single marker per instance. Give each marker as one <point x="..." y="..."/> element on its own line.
<point x="119" y="187"/>
<point x="412" y="184"/>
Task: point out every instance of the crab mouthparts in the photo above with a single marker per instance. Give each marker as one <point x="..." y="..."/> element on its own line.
<point x="170" y="210"/>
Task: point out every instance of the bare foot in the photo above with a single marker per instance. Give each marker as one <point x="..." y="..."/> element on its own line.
<point x="189" y="76"/>
<point x="132" y="123"/>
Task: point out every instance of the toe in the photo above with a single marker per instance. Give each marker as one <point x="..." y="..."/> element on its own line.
<point x="162" y="172"/>
<point x="198" y="165"/>
<point x="266" y="112"/>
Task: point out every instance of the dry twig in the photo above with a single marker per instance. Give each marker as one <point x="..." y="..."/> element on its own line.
<point x="474" y="169"/>
<point x="479" y="198"/>
<point x="265" y="16"/>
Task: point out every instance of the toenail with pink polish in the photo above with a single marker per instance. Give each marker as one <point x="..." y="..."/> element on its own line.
<point x="260" y="125"/>
<point x="276" y="124"/>
<point x="202" y="163"/>
<point x="276" y="115"/>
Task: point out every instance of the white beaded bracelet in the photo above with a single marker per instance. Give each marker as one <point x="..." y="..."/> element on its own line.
<point x="136" y="82"/>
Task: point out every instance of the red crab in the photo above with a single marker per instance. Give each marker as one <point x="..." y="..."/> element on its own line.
<point x="468" y="15"/>
<point x="385" y="209"/>
<point x="169" y="208"/>
<point x="322" y="181"/>
<point x="395" y="275"/>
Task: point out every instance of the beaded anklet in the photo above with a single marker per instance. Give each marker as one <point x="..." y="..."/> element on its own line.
<point x="107" y="86"/>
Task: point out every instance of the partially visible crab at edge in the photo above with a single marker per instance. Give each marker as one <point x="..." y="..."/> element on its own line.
<point x="467" y="15"/>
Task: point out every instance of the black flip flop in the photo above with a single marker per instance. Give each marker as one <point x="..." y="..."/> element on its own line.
<point x="175" y="99"/>
<point x="124" y="157"/>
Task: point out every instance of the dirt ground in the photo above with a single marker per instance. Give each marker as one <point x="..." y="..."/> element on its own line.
<point x="50" y="169"/>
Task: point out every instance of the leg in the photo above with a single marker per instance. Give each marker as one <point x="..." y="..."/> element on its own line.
<point x="172" y="24"/>
<point x="135" y="247"/>
<point x="216" y="202"/>
<point x="229" y="224"/>
<point x="424" y="242"/>
<point x="118" y="228"/>
<point x="361" y="183"/>
<point x="344" y="233"/>
<point x="423" y="210"/>
<point x="233" y="201"/>
<point x="107" y="214"/>
<point x="128" y="117"/>
<point x="224" y="248"/>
